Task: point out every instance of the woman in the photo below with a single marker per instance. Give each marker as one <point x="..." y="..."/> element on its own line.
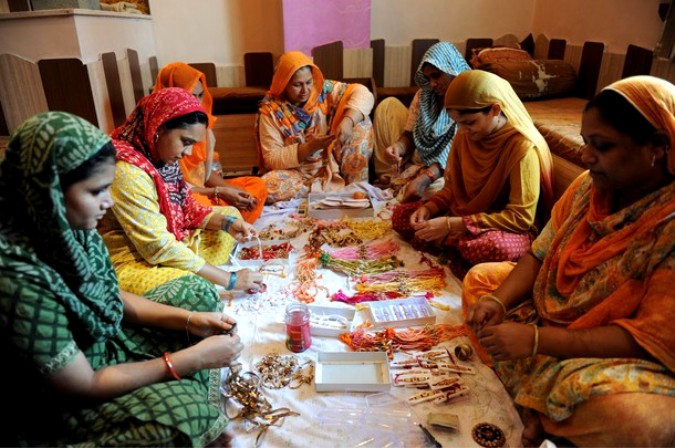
<point x="94" y="365"/>
<point x="499" y="171"/>
<point x="201" y="169"/>
<point x="411" y="153"/>
<point x="157" y="231"/>
<point x="312" y="133"/>
<point x="581" y="328"/>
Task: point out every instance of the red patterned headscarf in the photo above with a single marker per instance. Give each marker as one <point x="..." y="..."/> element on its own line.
<point x="135" y="143"/>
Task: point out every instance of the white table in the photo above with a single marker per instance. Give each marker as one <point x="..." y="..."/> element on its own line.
<point x="343" y="419"/>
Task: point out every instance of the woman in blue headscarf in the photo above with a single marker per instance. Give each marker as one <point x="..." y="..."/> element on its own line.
<point x="411" y="153"/>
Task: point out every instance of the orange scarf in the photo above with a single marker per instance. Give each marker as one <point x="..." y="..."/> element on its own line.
<point x="196" y="167"/>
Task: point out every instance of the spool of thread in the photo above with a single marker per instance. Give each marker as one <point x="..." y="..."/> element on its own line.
<point x="463" y="352"/>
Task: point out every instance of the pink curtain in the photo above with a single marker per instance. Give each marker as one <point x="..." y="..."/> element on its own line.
<point x="309" y="23"/>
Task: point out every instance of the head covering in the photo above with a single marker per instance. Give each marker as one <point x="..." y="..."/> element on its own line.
<point x="477" y="89"/>
<point x="434" y="129"/>
<point x="196" y="166"/>
<point x="289" y="63"/>
<point x="654" y="98"/>
<point x="37" y="244"/>
<point x="135" y="143"/>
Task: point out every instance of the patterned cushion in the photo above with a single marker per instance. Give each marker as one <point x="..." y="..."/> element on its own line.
<point x="536" y="78"/>
<point x="497" y="54"/>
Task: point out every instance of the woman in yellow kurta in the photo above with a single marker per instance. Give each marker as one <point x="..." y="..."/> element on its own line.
<point x="312" y="133"/>
<point x="498" y="174"/>
<point x="157" y="231"/>
<point x="582" y="327"/>
<point x="201" y="169"/>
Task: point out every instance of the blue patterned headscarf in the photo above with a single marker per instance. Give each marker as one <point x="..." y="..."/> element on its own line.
<point x="434" y="129"/>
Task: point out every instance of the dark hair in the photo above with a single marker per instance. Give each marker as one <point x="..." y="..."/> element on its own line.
<point x="616" y="111"/>
<point x="482" y="110"/>
<point x="186" y="120"/>
<point x="89" y="167"/>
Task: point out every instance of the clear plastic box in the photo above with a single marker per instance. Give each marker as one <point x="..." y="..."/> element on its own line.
<point x="408" y="312"/>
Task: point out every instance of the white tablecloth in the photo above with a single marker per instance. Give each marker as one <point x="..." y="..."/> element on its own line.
<point x="344" y="419"/>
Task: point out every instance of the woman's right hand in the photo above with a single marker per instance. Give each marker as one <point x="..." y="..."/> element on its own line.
<point x="249" y="281"/>
<point x="394" y="154"/>
<point x="219" y="350"/>
<point x="420" y="215"/>
<point x="313" y="144"/>
<point x="484" y="313"/>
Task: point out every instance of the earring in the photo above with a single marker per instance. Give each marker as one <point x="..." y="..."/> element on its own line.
<point x="653" y="160"/>
<point x="157" y="138"/>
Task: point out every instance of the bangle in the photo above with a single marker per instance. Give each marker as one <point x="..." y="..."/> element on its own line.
<point x="187" y="326"/>
<point x="225" y="225"/>
<point x="169" y="366"/>
<point x="351" y="119"/>
<point x="535" y="347"/>
<point x="216" y="192"/>
<point x="494" y="298"/>
<point x="448" y="223"/>
<point x="233" y="280"/>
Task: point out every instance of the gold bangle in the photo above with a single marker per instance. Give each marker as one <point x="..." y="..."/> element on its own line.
<point x="495" y="299"/>
<point x="187" y="326"/>
<point x="535" y="347"/>
<point x="448" y="223"/>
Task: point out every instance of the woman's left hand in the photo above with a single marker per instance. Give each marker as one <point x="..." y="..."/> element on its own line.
<point x="242" y="231"/>
<point x="506" y="341"/>
<point x="435" y="229"/>
<point x="206" y="324"/>
<point x="345" y="132"/>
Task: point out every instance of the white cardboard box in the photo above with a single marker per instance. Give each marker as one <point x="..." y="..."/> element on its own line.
<point x="352" y="372"/>
<point x="336" y="213"/>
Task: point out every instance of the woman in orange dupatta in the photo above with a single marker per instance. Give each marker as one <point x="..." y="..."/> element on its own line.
<point x="201" y="169"/>
<point x="497" y="178"/>
<point x="312" y="133"/>
<point x="582" y="327"/>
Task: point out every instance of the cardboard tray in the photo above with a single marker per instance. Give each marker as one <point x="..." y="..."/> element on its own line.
<point x="352" y="371"/>
<point x="257" y="262"/>
<point x="347" y="313"/>
<point x="336" y="213"/>
<point x="401" y="312"/>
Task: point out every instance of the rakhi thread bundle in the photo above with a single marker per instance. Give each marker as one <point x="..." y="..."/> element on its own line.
<point x="405" y="282"/>
<point x="274" y="232"/>
<point x="266" y="252"/>
<point x="379" y="256"/>
<point x="412" y="339"/>
<point x="368" y="229"/>
<point x="360" y="297"/>
<point x="304" y="287"/>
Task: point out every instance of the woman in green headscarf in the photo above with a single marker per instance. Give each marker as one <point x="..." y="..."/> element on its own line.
<point x="94" y="365"/>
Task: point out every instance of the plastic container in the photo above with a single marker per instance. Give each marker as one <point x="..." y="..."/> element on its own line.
<point x="298" y="333"/>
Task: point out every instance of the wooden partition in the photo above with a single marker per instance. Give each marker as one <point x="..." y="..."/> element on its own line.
<point x="67" y="87"/>
<point x="114" y="86"/>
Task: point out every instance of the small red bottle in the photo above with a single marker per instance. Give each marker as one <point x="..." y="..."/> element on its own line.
<point x="298" y="335"/>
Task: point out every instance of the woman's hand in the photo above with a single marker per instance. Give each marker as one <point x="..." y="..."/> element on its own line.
<point x="419" y="216"/>
<point x="250" y="281"/>
<point x="237" y="197"/>
<point x="204" y="324"/>
<point x="345" y="132"/>
<point x="242" y="231"/>
<point x="414" y="190"/>
<point x="218" y="351"/>
<point x="313" y="144"/>
<point x="484" y="313"/>
<point x="507" y="341"/>
<point x="432" y="230"/>
<point x="394" y="153"/>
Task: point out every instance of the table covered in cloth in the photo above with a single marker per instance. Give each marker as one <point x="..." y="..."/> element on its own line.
<point x="350" y="419"/>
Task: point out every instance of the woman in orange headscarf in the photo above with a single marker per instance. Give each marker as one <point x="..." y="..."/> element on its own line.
<point x="497" y="179"/>
<point x="201" y="169"/>
<point x="581" y="329"/>
<point x="312" y="133"/>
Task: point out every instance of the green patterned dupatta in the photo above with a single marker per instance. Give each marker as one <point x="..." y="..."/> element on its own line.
<point x="38" y="248"/>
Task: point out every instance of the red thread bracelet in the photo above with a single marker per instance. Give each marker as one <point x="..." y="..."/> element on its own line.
<point x="169" y="365"/>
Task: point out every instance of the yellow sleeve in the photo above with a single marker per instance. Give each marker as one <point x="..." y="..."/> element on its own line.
<point x="137" y="212"/>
